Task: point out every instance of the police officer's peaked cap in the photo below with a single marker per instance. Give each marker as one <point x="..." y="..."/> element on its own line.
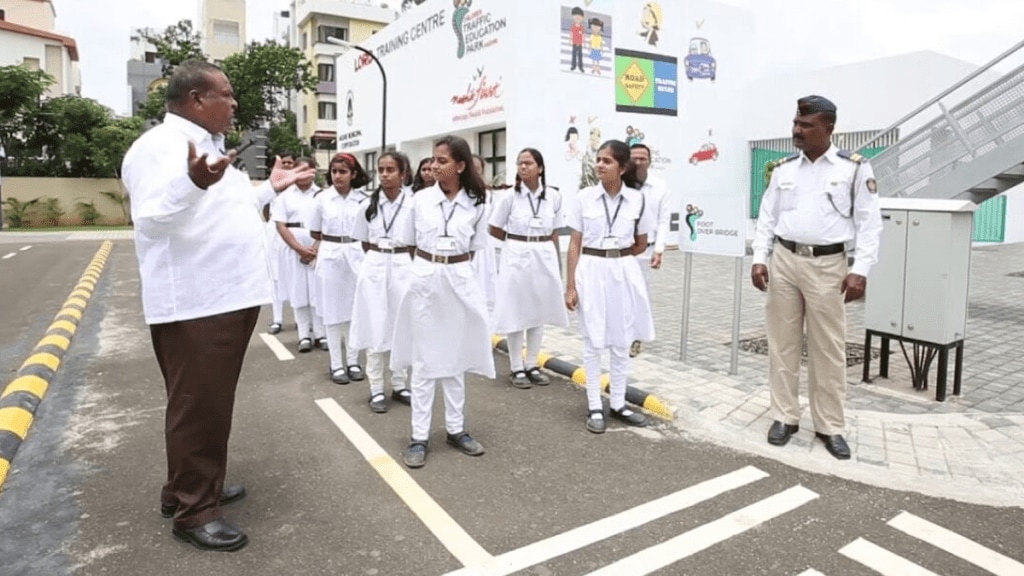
<point x="814" y="105"/>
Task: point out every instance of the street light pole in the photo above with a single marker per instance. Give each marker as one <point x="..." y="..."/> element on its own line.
<point x="384" y="92"/>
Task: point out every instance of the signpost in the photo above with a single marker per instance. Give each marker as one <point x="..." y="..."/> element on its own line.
<point x="713" y="224"/>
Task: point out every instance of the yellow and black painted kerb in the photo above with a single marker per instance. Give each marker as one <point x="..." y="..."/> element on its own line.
<point x="19" y="400"/>
<point x="578" y="375"/>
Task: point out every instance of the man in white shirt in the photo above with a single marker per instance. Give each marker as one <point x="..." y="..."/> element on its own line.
<point x="816" y="202"/>
<point x="201" y="249"/>
<point x="656" y="193"/>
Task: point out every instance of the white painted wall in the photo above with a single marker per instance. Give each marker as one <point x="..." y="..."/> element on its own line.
<point x="17" y="47"/>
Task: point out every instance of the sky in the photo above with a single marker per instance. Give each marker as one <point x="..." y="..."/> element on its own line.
<point x="796" y="34"/>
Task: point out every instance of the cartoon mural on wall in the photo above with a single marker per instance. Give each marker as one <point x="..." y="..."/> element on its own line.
<point x="707" y="151"/>
<point x="651" y="18"/>
<point x="458" y="16"/>
<point x="699" y="63"/>
<point x="633" y="136"/>
<point x="693" y="213"/>
<point x="572" y="141"/>
<point x="586" y="41"/>
<point x="588" y="161"/>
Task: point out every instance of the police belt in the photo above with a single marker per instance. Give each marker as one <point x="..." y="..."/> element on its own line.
<point x="398" y="250"/>
<point x="455" y="259"/>
<point x="521" y="238"/>
<point x="811" y="250"/>
<point x="616" y="253"/>
<point x="337" y="239"/>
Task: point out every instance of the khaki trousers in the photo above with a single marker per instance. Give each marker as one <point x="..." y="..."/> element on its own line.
<point x="807" y="289"/>
<point x="200" y="361"/>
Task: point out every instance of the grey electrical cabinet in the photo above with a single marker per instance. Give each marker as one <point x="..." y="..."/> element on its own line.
<point x="918" y="289"/>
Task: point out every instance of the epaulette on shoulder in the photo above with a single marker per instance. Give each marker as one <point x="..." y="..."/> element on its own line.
<point x="851" y="156"/>
<point x="782" y="161"/>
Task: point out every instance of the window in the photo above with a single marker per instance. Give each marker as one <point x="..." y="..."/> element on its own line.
<point x="31" y="63"/>
<point x="326" y="72"/>
<point x="3" y="15"/>
<point x="226" y="33"/>
<point x="305" y="114"/>
<point x="305" y="40"/>
<point x="325" y="32"/>
<point x="492" y="148"/>
<point x="150" y="57"/>
<point x="327" y="110"/>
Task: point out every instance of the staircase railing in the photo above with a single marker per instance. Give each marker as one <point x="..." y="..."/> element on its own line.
<point x="980" y="123"/>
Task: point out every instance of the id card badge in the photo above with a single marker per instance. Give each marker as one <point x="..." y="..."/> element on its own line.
<point x="536" y="223"/>
<point x="445" y="243"/>
<point x="386" y="243"/>
<point x="610" y="243"/>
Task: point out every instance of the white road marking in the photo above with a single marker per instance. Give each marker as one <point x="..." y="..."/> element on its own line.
<point x="583" y="536"/>
<point x="689" y="543"/>
<point x="23" y="248"/>
<point x="11" y="255"/>
<point x="810" y="572"/>
<point x="461" y="545"/>
<point x="957" y="545"/>
<point x="881" y="560"/>
<point x="276" y="347"/>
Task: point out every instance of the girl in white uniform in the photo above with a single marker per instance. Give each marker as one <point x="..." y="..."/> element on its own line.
<point x="529" y="287"/>
<point x="441" y="330"/>
<point x="274" y="245"/>
<point x="291" y="211"/>
<point x="384" y="278"/>
<point x="339" y="257"/>
<point x="609" y="225"/>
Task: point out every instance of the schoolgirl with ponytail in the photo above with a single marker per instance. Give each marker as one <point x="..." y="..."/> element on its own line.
<point x="339" y="260"/>
<point x="384" y="278"/>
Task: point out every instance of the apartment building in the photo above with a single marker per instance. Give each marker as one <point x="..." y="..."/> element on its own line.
<point x="29" y="38"/>
<point x="222" y="28"/>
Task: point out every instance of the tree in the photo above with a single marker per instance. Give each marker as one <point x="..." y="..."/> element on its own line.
<point x="20" y="92"/>
<point x="176" y="44"/>
<point x="283" y="137"/>
<point x="262" y="76"/>
<point x="111" y="142"/>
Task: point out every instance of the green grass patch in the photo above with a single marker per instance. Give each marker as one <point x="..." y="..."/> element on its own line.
<point x="70" y="229"/>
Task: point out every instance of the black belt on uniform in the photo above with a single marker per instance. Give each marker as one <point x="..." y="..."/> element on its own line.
<point x="522" y="238"/>
<point x="398" y="250"/>
<point x="293" y="224"/>
<point x="617" y="253"/>
<point x="337" y="239"/>
<point x="455" y="259"/>
<point x="810" y="250"/>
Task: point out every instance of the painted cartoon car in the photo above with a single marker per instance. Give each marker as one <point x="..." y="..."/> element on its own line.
<point x="707" y="152"/>
<point x="699" y="63"/>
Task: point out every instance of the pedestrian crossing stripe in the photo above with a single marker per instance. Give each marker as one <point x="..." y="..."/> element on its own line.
<point x="881" y="560"/>
<point x="957" y="545"/>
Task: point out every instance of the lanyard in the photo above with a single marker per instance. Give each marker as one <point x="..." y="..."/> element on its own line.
<point x="394" y="215"/>
<point x="533" y="209"/>
<point x="607" y="215"/>
<point x="447" y="218"/>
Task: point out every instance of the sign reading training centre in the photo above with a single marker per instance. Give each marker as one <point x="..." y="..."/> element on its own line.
<point x="713" y="224"/>
<point x="646" y="83"/>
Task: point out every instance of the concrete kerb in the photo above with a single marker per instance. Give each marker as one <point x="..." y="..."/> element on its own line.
<point x="22" y="396"/>
<point x="578" y="375"/>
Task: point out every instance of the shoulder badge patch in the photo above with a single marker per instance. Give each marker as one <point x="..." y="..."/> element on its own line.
<point x="782" y="161"/>
<point x="851" y="156"/>
<point x="872" y="185"/>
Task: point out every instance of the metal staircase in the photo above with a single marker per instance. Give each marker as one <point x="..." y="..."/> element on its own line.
<point x="972" y="151"/>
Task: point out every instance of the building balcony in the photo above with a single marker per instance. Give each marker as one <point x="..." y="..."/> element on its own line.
<point x="359" y="10"/>
<point x="326" y="87"/>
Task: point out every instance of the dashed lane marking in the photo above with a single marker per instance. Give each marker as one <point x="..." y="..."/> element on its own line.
<point x="7" y="256"/>
<point x="23" y="248"/>
<point x="276" y="347"/>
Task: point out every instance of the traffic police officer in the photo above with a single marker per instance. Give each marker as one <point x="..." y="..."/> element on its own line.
<point x="817" y="201"/>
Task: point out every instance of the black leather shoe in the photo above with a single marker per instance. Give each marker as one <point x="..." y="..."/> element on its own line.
<point x="836" y="445"/>
<point x="596" y="425"/>
<point x="218" y="536"/>
<point x="467" y="445"/>
<point x="228" y="495"/>
<point x="779" y="433"/>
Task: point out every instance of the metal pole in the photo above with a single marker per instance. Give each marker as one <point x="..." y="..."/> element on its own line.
<point x="685" y="330"/>
<point x="734" y="360"/>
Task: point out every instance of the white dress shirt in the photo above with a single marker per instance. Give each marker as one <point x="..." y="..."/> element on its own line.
<point x="201" y="252"/>
<point x="657" y="201"/>
<point x="515" y="212"/>
<point x="391" y="217"/>
<point x="466" y="226"/>
<point x="809" y="203"/>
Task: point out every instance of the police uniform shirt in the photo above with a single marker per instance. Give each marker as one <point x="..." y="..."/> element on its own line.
<point x="810" y="203"/>
<point x="588" y="216"/>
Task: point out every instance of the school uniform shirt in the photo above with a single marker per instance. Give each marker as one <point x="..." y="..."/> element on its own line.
<point x="200" y="252"/>
<point x="810" y="203"/>
<point x="337" y="263"/>
<point x="296" y="281"/>
<point x="441" y="329"/>
<point x="614" y="309"/>
<point x="384" y="277"/>
<point x="529" y="286"/>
